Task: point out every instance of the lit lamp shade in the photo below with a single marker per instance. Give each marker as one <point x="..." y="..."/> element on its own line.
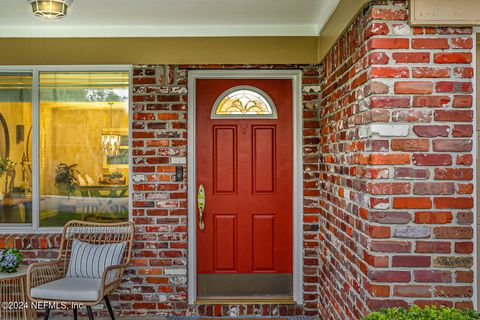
<point x="50" y="9"/>
<point x="111" y="144"/>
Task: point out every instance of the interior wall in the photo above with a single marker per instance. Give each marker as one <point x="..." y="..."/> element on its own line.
<point x="17" y="113"/>
<point x="71" y="134"/>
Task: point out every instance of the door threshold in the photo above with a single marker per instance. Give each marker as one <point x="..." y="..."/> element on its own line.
<point x="245" y="300"/>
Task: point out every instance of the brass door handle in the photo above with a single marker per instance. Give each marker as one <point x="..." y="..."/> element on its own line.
<point x="201" y="205"/>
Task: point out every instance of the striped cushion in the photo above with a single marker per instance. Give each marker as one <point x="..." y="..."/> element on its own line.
<point x="90" y="260"/>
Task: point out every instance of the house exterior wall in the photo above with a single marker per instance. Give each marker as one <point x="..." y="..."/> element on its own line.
<point x="396" y="172"/>
<point x="388" y="176"/>
<point x="156" y="283"/>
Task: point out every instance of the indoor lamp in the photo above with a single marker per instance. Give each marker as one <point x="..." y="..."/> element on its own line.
<point x="110" y="141"/>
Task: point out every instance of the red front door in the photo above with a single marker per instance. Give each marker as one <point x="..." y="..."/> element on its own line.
<point x="245" y="166"/>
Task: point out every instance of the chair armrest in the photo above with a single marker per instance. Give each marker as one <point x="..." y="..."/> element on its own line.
<point x="111" y="277"/>
<point x="42" y="272"/>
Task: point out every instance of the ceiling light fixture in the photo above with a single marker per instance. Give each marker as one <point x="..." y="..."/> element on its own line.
<point x="110" y="140"/>
<point x="50" y="9"/>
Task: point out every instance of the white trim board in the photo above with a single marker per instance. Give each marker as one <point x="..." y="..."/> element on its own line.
<point x="297" y="116"/>
<point x="476" y="136"/>
<point x="100" y="31"/>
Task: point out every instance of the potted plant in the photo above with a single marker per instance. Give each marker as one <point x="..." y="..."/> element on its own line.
<point x="10" y="259"/>
<point x="66" y="178"/>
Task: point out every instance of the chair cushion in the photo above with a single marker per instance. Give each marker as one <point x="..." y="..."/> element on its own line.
<point x="90" y="260"/>
<point x="68" y="289"/>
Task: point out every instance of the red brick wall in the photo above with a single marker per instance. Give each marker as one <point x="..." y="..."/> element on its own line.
<point x="344" y="110"/>
<point x="396" y="167"/>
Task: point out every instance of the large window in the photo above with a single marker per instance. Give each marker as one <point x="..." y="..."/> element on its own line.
<point x="15" y="149"/>
<point x="64" y="154"/>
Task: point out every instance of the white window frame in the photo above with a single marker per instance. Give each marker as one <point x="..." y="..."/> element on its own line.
<point x="7" y="228"/>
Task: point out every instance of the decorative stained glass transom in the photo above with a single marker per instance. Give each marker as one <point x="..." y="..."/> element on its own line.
<point x="244" y="102"/>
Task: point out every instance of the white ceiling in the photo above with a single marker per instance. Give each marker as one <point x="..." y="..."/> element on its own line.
<point x="170" y="18"/>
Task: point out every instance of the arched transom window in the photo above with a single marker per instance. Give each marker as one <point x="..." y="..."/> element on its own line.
<point x="244" y="102"/>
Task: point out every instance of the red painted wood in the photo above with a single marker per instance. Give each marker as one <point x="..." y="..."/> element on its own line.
<point x="224" y="159"/>
<point x="263" y="242"/>
<point x="245" y="166"/>
<point x="225" y="242"/>
<point x="263" y="165"/>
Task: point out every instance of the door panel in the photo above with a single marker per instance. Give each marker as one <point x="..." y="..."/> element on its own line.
<point x="245" y="166"/>
<point x="225" y="242"/>
<point x="263" y="163"/>
<point x="263" y="242"/>
<point x="225" y="159"/>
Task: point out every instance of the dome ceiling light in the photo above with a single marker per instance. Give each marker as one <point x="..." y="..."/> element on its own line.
<point x="50" y="9"/>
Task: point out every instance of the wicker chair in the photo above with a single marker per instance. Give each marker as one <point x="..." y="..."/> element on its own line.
<point x="43" y="273"/>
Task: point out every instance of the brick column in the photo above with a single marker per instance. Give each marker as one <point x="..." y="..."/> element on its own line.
<point x="157" y="282"/>
<point x="397" y="130"/>
<point x="344" y="111"/>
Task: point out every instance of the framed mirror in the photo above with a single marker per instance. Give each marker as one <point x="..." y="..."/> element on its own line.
<point x="28" y="150"/>
<point x="4" y="138"/>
